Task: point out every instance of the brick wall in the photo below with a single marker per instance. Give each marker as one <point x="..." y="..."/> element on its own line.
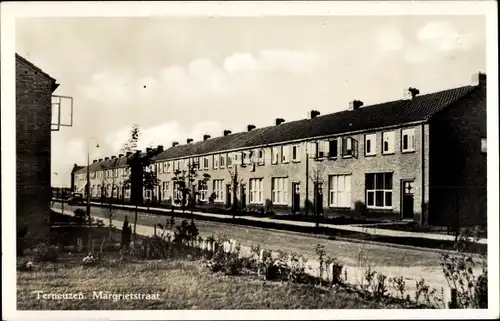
<point x="33" y="147"/>
<point x="402" y="165"/>
<point x="458" y="168"/>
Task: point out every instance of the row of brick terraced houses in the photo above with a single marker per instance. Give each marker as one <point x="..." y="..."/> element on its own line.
<point x="420" y="158"/>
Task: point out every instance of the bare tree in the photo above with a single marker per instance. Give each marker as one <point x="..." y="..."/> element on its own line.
<point x="185" y="181"/>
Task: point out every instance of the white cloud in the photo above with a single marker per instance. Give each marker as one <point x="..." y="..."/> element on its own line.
<point x="443" y="36"/>
<point x="389" y="38"/>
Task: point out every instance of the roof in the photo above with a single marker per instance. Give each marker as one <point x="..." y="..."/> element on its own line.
<point x="394" y="113"/>
<point x="31" y="65"/>
<point x="76" y="168"/>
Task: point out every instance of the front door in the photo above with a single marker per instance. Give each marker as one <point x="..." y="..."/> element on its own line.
<point x="318" y="198"/>
<point x="243" y="196"/>
<point x="296" y="198"/>
<point x="229" y="196"/>
<point x="408" y="191"/>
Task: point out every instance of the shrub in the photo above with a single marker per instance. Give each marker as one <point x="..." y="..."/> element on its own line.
<point x="471" y="290"/>
<point x="297" y="273"/>
<point x="21" y="242"/>
<point x="80" y="215"/>
<point x="399" y="284"/>
<point x="44" y="253"/>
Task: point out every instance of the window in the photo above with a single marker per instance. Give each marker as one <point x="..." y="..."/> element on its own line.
<point x="260" y="156"/>
<point x="388" y="143"/>
<point x="370" y="141"/>
<point x="98" y="191"/>
<point x="168" y="166"/>
<point x="285" y="154"/>
<point x="205" y="162"/>
<point x="245" y="157"/>
<point x="349" y="147"/>
<point x="218" y="190"/>
<point x="203" y="192"/>
<point x="275" y="155"/>
<point x="408" y="140"/>
<point x="147" y="194"/>
<point x="93" y="191"/>
<point x="216" y="161"/>
<point x="165" y="189"/>
<point x="279" y="190"/>
<point x="483" y="145"/>
<point x="222" y="162"/>
<point x="229" y="160"/>
<point x="177" y="192"/>
<point x="296" y="153"/>
<point x="108" y="190"/>
<point x="114" y="191"/>
<point x="340" y="191"/>
<point x="322" y="149"/>
<point x="378" y="190"/>
<point x="127" y="192"/>
<point x="256" y="190"/>
<point x="333" y="148"/>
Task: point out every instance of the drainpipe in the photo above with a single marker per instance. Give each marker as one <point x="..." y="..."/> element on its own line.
<point x="422" y="206"/>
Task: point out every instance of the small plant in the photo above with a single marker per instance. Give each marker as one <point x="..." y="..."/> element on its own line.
<point x="399" y="284"/>
<point x="320" y="252"/>
<point x="26" y="266"/>
<point x="44" y="253"/>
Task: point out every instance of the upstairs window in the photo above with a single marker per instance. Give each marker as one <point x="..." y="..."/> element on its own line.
<point x="296" y="153"/>
<point x="205" y="162"/>
<point x="388" y="143"/>
<point x="222" y="162"/>
<point x="229" y="160"/>
<point x="408" y="140"/>
<point x="349" y="147"/>
<point x="483" y="145"/>
<point x="370" y="141"/>
<point x="285" y="154"/>
<point x="260" y="156"/>
<point x="216" y="161"/>
<point x="333" y="148"/>
<point x="276" y="155"/>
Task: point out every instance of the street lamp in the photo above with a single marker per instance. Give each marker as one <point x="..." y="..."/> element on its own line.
<point x="63" y="193"/>
<point x="88" y="176"/>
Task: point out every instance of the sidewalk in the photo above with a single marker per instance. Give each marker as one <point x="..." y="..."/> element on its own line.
<point x="433" y="275"/>
<point x="351" y="228"/>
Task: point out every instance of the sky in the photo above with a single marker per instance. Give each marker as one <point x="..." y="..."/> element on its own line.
<point x="183" y="77"/>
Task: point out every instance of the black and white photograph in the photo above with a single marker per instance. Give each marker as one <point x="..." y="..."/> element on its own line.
<point x="249" y="160"/>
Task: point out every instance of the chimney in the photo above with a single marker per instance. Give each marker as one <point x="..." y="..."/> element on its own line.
<point x="120" y="155"/>
<point x="106" y="158"/>
<point x="227" y="132"/>
<point x="478" y="79"/>
<point x="250" y="127"/>
<point x="278" y="121"/>
<point x="113" y="157"/>
<point x="410" y="93"/>
<point x="189" y="140"/>
<point x="129" y="153"/>
<point x="355" y="104"/>
<point x="205" y="137"/>
<point x="94" y="161"/>
<point x="312" y="114"/>
<point x="175" y="144"/>
<point x="159" y="149"/>
<point x="100" y="159"/>
<point x="149" y="150"/>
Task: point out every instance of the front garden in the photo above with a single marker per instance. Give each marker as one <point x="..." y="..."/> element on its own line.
<point x="181" y="270"/>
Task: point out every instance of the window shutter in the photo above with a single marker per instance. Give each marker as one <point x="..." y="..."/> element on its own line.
<point x="354" y="147"/>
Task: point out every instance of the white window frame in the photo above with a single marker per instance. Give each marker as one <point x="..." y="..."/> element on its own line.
<point x="383" y="190"/>
<point x="484" y="145"/>
<point x="279" y="187"/>
<point x="275" y="154"/>
<point x="222" y="160"/>
<point x="229" y="160"/>
<point x="285" y="154"/>
<point x="339" y="190"/>
<point x="215" y="161"/>
<point x="176" y="193"/>
<point x="296" y="148"/>
<point x="256" y="191"/>
<point x="389" y="138"/>
<point x="372" y="138"/>
<point x="410" y="134"/>
<point x="260" y="156"/>
<point x="218" y="186"/>
<point x="127" y="192"/>
<point x="165" y="189"/>
<point x="202" y="192"/>
<point x="206" y="163"/>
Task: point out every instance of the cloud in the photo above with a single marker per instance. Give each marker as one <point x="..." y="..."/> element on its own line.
<point x="200" y="78"/>
<point x="389" y="38"/>
<point x="443" y="36"/>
